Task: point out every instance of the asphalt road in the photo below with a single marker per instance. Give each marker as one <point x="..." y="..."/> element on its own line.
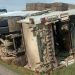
<point x="5" y="71"/>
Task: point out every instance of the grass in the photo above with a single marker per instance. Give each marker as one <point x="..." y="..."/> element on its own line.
<point x="70" y="70"/>
<point x="19" y="70"/>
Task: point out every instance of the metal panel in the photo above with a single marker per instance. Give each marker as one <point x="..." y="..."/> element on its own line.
<point x="3" y="22"/>
<point x="13" y="25"/>
<point x="31" y="46"/>
<point x="4" y="30"/>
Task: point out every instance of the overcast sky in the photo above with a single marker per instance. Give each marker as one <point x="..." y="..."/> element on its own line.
<point x="12" y="5"/>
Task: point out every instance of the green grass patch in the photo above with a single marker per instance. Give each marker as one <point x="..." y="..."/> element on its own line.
<point x="70" y="70"/>
<point x="17" y="69"/>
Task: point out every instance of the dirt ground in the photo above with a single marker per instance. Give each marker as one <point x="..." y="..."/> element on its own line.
<point x="5" y="71"/>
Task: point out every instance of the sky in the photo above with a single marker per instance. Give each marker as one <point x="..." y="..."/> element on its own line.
<point x="12" y="5"/>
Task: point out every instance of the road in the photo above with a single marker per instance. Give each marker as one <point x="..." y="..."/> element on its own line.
<point x="5" y="71"/>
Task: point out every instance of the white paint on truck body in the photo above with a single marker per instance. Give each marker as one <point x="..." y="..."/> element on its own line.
<point x="31" y="46"/>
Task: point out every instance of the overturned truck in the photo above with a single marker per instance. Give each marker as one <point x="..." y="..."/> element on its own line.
<point x="49" y="39"/>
